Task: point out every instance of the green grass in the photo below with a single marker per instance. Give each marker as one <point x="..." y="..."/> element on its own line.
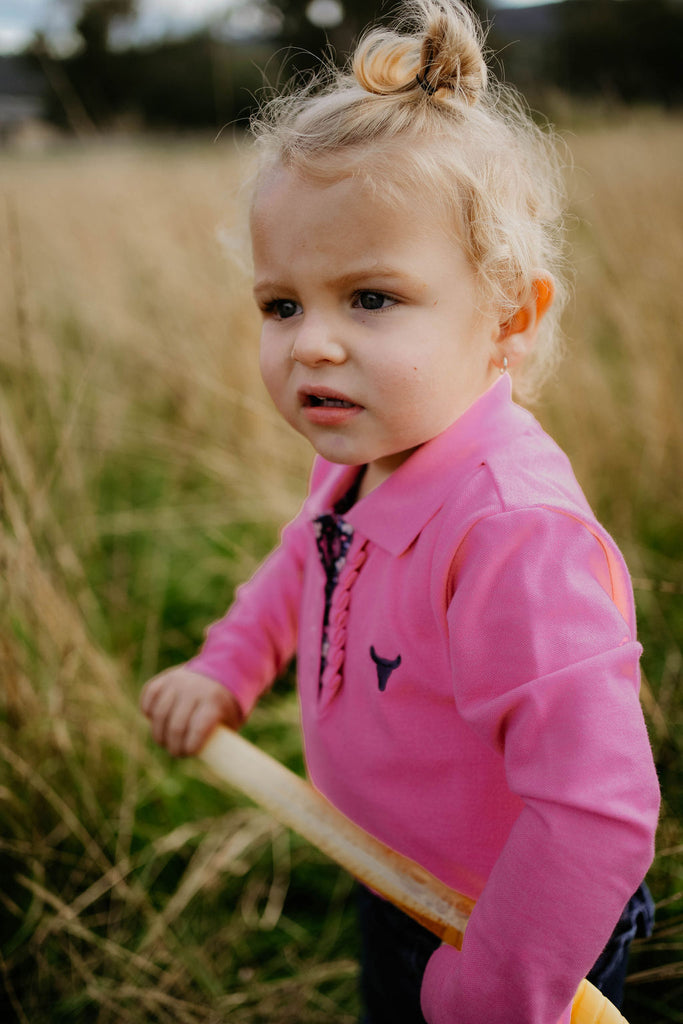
<point x="144" y="475"/>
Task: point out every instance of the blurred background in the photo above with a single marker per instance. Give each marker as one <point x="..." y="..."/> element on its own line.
<point x="143" y="475"/>
<point x="88" y="66"/>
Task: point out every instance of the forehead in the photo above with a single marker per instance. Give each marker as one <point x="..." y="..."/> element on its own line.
<point x="291" y="197"/>
<point x="294" y="215"/>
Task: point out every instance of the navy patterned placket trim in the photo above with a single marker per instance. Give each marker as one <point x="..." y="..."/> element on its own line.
<point x="333" y="537"/>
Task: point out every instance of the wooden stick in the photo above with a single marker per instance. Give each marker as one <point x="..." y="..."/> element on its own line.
<point x="293" y="802"/>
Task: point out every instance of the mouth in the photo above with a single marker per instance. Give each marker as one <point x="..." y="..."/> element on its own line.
<point x="321" y="402"/>
<point x="325" y="398"/>
<point x="325" y="407"/>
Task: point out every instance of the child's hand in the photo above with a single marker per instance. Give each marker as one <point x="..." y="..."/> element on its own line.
<point x="184" y="707"/>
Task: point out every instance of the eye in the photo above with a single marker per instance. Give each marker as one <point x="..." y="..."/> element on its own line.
<point x="373" y="300"/>
<point x="283" y="309"/>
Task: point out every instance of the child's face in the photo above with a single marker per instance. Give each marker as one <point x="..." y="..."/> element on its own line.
<point x="373" y="341"/>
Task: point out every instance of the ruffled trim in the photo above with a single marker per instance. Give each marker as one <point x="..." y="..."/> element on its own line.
<point x="333" y="672"/>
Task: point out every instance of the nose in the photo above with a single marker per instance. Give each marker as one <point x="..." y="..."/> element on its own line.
<point x="316" y="341"/>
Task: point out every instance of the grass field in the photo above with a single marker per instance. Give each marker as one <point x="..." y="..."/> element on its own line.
<point x="144" y="474"/>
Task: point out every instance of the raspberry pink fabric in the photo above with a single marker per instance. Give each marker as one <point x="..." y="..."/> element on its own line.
<point x="506" y="750"/>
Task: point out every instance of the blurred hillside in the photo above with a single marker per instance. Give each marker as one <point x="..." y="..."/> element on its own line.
<point x="618" y="50"/>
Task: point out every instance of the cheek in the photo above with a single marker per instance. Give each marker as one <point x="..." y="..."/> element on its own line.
<point x="397" y="366"/>
<point x="275" y="368"/>
<point x="270" y="364"/>
<point x="410" y="378"/>
<point x="406" y="396"/>
<point x="427" y="385"/>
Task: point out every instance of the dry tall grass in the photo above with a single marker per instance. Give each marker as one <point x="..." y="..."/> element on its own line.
<point x="144" y="473"/>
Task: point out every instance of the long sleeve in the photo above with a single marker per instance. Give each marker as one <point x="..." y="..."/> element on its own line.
<point x="547" y="670"/>
<point x="249" y="647"/>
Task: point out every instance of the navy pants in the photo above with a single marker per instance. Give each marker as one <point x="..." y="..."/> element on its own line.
<point x="395" y="951"/>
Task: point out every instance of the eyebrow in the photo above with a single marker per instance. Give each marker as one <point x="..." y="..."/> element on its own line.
<point x="375" y="272"/>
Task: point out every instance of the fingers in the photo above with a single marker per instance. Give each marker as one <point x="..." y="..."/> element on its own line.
<point x="167" y="703"/>
<point x="167" y="716"/>
<point x="202" y="722"/>
<point x="188" y="725"/>
<point x="150" y="691"/>
<point x="183" y="708"/>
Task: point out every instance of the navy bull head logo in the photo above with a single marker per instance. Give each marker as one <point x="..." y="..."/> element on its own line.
<point x="385" y="667"/>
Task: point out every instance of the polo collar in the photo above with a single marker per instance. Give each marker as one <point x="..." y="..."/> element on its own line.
<point x="395" y="512"/>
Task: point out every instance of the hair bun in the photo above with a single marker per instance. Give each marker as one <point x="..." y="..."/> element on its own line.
<point x="440" y="49"/>
<point x="451" y="56"/>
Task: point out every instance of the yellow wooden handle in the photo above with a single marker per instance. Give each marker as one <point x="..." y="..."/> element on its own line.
<point x="296" y="804"/>
<point x="589" y="1006"/>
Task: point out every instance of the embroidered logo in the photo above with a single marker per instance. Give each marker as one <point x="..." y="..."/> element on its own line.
<point x="384" y="668"/>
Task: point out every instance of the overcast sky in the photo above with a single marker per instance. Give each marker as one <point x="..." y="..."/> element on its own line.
<point x="19" y="19"/>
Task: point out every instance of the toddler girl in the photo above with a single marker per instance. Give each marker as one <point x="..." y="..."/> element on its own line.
<point x="467" y="661"/>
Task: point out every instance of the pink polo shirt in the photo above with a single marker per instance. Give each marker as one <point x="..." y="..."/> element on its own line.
<point x="479" y="707"/>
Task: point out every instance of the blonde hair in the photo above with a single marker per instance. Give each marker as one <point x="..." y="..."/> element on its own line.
<point x="417" y="117"/>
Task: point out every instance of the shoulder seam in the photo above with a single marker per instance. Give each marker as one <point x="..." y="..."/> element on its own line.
<point x="592" y="527"/>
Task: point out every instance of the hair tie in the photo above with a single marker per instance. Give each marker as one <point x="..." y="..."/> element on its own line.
<point x="424" y="84"/>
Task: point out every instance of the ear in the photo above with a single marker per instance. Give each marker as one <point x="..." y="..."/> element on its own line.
<point x="517" y="335"/>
